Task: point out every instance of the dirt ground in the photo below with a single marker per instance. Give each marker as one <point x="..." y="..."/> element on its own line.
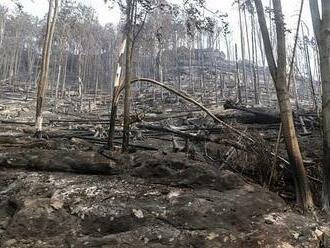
<point x="68" y="191"/>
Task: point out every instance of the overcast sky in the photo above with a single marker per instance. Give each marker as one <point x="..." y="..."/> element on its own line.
<point x="39" y="8"/>
<point x="290" y="9"/>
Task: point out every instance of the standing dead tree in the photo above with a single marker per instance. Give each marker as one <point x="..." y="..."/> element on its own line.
<point x="130" y="10"/>
<point x="115" y="94"/>
<point x="133" y="26"/>
<point x="242" y="50"/>
<point x="278" y="73"/>
<point x="321" y="27"/>
<point x="43" y="81"/>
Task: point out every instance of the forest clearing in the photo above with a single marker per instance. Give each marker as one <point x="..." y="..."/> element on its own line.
<point x="172" y="128"/>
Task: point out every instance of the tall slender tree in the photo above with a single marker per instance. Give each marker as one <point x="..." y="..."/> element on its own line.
<point x="321" y="26"/>
<point x="43" y="81"/>
<point x="242" y="51"/>
<point x="130" y="6"/>
<point x="278" y="73"/>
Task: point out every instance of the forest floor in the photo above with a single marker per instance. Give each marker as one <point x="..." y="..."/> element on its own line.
<point x="168" y="191"/>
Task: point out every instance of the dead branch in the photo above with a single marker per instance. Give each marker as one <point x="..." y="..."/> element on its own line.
<point x="193" y="101"/>
<point x="192" y="136"/>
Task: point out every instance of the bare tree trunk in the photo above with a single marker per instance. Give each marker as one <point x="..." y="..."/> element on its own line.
<point x="65" y="66"/>
<point x="278" y="72"/>
<point x="80" y="82"/>
<point x="115" y="95"/>
<point x="247" y="37"/>
<point x="238" y="81"/>
<point x="96" y="88"/>
<point x="321" y="30"/>
<point x="177" y="71"/>
<point x="2" y="28"/>
<point x="295" y="44"/>
<point x="16" y="64"/>
<point x="254" y="62"/>
<point x="127" y="99"/>
<point x="295" y="90"/>
<point x="309" y="70"/>
<point x="251" y="64"/>
<point x="57" y="83"/>
<point x="52" y="76"/>
<point x="201" y="54"/>
<point x="42" y="84"/>
<point x="190" y="66"/>
<point x="227" y="47"/>
<point x="159" y="60"/>
<point x="81" y="93"/>
<point x="242" y="50"/>
<point x="11" y="68"/>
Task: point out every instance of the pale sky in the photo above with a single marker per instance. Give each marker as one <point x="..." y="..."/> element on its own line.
<point x="105" y="15"/>
<point x="39" y="8"/>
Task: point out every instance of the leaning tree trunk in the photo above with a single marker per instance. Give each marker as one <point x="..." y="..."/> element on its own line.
<point x="278" y="72"/>
<point x="43" y="81"/>
<point x="321" y="30"/>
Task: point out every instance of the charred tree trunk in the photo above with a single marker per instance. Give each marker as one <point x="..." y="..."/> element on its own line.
<point x="43" y="81"/>
<point x="321" y="30"/>
<point x="65" y="66"/>
<point x="254" y="62"/>
<point x="238" y="83"/>
<point x="127" y="99"/>
<point x="115" y="94"/>
<point x="159" y="59"/>
<point x="278" y="72"/>
<point x="308" y="69"/>
<point x="242" y="50"/>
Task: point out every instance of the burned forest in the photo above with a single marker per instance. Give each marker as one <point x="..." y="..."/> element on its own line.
<point x="164" y="123"/>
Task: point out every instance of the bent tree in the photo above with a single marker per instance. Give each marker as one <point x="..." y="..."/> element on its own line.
<point x="278" y="73"/>
<point x="321" y="26"/>
<point x="43" y="81"/>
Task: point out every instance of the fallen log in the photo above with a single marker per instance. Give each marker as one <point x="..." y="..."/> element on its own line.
<point x="17" y="122"/>
<point x="56" y="133"/>
<point x="160" y="117"/>
<point x="191" y="136"/>
<point x="57" y="160"/>
<point x="253" y="115"/>
<point x="81" y="121"/>
<point x="21" y="141"/>
<point x="100" y="141"/>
